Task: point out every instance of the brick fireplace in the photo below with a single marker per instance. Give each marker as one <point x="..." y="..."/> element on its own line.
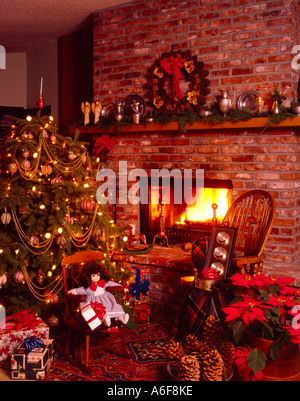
<point x="246" y="156"/>
<point x="240" y="152"/>
<point x="245" y="45"/>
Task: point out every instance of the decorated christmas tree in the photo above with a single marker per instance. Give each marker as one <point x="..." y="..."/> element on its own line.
<point x="48" y="209"/>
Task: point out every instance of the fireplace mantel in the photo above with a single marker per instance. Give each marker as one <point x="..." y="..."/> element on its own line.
<point x="253" y="123"/>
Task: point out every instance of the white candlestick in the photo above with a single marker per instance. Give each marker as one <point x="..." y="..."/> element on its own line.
<point x="41" y="89"/>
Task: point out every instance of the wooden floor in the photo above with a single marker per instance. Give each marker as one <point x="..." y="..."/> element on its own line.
<point x="4" y="375"/>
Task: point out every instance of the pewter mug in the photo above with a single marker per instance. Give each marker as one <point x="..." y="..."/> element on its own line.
<point x="225" y="101"/>
<point x="119" y="114"/>
<point x="138" y="110"/>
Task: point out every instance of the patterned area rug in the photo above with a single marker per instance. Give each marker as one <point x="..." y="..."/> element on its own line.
<point x="148" y="346"/>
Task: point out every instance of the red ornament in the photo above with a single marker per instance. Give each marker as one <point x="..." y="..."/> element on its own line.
<point x="12" y="168"/>
<point x="5" y="218"/>
<point x="53" y="138"/>
<point x="18" y="276"/>
<point x="26" y="164"/>
<point x="87" y="204"/>
<point x="46" y="169"/>
<point x="27" y="135"/>
<point x="56" y="180"/>
<point x="34" y="241"/>
<point x="3" y="279"/>
<point x="71" y="155"/>
<point x="40" y="104"/>
<point x="69" y="219"/>
<point x="45" y="134"/>
<point x="61" y="241"/>
<point x="40" y="276"/>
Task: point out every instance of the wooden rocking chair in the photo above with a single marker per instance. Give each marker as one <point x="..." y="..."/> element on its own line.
<point x="253" y="214"/>
<point x="78" y="329"/>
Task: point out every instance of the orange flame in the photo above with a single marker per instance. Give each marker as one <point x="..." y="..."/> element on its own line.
<point x="201" y="210"/>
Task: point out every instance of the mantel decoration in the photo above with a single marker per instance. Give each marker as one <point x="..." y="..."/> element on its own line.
<point x="176" y="65"/>
<point x="277" y="97"/>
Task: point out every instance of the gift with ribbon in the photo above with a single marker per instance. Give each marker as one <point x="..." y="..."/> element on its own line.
<point x="22" y="319"/>
<point x="142" y="311"/>
<point x="32" y="358"/>
<point x="99" y="309"/>
<point x="172" y="66"/>
<point x="139" y="287"/>
<point x="33" y="342"/>
<point x="93" y="313"/>
<point x="19" y="327"/>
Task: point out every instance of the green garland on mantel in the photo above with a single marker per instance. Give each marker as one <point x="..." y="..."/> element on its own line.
<point x="190" y="117"/>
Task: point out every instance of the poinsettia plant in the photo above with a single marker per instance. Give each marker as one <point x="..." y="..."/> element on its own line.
<point x="266" y="307"/>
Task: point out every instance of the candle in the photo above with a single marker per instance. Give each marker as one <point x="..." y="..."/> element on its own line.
<point x="260" y="103"/>
<point x="41" y="88"/>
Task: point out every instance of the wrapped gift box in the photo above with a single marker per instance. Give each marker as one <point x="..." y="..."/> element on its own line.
<point x="142" y="312"/>
<point x="140" y="283"/>
<point x="90" y="316"/>
<point x="11" y="337"/>
<point x="34" y="363"/>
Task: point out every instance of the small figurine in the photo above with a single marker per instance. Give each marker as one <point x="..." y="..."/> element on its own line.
<point x="134" y="238"/>
<point x="86" y="109"/>
<point x="96" y="109"/>
<point x="94" y="291"/>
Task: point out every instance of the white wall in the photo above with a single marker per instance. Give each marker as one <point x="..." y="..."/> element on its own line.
<point x="42" y="62"/>
<point x="13" y="86"/>
<point x="20" y="81"/>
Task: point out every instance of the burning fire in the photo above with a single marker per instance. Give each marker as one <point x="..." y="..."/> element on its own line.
<point x="201" y="210"/>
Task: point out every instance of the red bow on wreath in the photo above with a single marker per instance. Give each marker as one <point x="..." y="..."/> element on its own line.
<point x="105" y="141"/>
<point x="172" y="66"/>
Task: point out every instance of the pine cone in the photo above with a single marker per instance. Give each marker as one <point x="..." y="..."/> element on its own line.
<point x="203" y="349"/>
<point x="191" y="343"/>
<point x="212" y="332"/>
<point x="175" y="350"/>
<point x="188" y="369"/>
<point x="212" y="366"/>
<point x="227" y="353"/>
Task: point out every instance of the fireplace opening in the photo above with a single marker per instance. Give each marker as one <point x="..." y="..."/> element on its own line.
<point x="185" y="222"/>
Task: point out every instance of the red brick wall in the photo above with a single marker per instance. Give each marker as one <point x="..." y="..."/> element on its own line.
<point x="244" y="44"/>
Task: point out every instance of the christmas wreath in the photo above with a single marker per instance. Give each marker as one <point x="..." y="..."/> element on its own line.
<point x="174" y="66"/>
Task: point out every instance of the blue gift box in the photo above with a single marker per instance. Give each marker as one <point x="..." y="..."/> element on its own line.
<point x="32" y="359"/>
